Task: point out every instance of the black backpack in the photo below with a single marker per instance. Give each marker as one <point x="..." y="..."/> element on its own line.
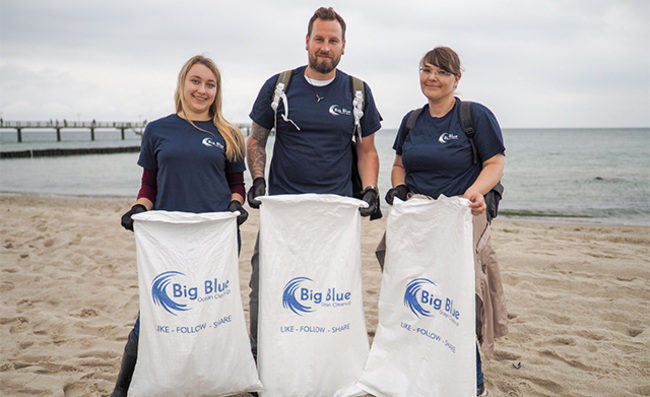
<point x="493" y="197"/>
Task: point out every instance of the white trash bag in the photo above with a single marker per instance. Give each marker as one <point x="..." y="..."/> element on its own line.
<point x="425" y="340"/>
<point x="312" y="339"/>
<point x="193" y="337"/>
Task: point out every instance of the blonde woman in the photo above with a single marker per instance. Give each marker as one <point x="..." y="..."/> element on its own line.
<point x="193" y="161"/>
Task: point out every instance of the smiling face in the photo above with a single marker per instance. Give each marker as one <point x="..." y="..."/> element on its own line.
<point x="199" y="92"/>
<point x="325" y="46"/>
<point x="435" y="86"/>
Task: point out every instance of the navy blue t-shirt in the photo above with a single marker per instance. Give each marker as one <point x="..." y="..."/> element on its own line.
<point x="317" y="158"/>
<point x="190" y="165"/>
<point x="437" y="155"/>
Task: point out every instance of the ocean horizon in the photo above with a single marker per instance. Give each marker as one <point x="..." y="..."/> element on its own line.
<point x="579" y="175"/>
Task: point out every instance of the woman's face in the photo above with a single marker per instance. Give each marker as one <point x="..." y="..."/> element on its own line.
<point x="436" y="85"/>
<point x="199" y="92"/>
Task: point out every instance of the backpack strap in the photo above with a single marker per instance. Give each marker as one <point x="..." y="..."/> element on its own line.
<point x="410" y="121"/>
<point x="467" y="125"/>
<point x="358" y="88"/>
<point x="492" y="197"/>
<point x="280" y="94"/>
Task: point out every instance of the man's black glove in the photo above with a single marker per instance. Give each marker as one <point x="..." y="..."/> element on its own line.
<point x="371" y="196"/>
<point x="398" y="191"/>
<point x="236" y="206"/>
<point x="258" y="189"/>
<point x="127" y="222"/>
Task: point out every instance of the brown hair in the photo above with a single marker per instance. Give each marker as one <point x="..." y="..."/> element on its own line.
<point x="235" y="144"/>
<point x="444" y="58"/>
<point x="326" y="14"/>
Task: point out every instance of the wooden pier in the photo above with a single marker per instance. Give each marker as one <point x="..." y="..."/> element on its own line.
<point x="58" y="126"/>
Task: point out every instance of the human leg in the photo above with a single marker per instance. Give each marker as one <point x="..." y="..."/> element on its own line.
<point x="479" y="369"/>
<point x="253" y="304"/>
<point x="128" y="363"/>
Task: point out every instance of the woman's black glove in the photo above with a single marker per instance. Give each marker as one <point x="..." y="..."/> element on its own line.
<point x="236" y="206"/>
<point x="398" y="191"/>
<point x="258" y="189"/>
<point x="127" y="222"/>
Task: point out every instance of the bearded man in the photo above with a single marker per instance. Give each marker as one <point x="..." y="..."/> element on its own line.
<point x="314" y="125"/>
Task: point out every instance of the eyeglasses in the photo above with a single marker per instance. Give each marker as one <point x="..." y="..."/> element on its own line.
<point x="438" y="73"/>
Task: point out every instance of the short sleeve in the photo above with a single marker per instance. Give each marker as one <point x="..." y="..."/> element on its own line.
<point x="371" y="120"/>
<point x="147" y="157"/>
<point x="488" y="136"/>
<point x="262" y="113"/>
<point x="399" y="138"/>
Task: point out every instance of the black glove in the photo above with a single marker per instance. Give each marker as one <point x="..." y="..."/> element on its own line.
<point x="371" y="196"/>
<point x="236" y="206"/>
<point x="258" y="189"/>
<point x="398" y="191"/>
<point x="127" y="222"/>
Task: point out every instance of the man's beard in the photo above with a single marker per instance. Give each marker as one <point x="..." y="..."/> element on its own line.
<point x="323" y="66"/>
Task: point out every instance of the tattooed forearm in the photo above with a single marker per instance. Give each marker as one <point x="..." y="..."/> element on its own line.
<point x="256" y="150"/>
<point x="260" y="133"/>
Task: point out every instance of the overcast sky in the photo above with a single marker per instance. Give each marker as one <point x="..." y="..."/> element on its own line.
<point x="535" y="63"/>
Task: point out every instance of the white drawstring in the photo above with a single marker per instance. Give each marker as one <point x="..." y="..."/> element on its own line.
<point x="280" y="94"/>
<point x="357" y="106"/>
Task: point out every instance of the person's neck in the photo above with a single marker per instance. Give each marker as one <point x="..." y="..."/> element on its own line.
<point x="313" y="74"/>
<point x="442" y="107"/>
<point x="193" y="117"/>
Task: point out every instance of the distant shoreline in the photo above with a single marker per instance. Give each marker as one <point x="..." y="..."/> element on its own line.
<point x="502" y="220"/>
<point x="599" y="183"/>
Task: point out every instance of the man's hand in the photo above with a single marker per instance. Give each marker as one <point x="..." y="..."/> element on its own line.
<point x="258" y="189"/>
<point x="371" y="196"/>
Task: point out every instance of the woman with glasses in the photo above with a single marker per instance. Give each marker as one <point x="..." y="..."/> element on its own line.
<point x="436" y="157"/>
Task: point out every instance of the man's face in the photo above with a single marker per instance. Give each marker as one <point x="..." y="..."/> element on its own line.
<point x="325" y="46"/>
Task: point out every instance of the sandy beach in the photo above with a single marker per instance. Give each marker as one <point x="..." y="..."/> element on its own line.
<point x="578" y="300"/>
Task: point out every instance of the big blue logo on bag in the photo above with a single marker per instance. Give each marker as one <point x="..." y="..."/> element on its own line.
<point x="299" y="296"/>
<point x="193" y="338"/>
<point x="422" y="297"/>
<point x="171" y="291"/>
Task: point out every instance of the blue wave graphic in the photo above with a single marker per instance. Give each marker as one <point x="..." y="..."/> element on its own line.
<point x="411" y="296"/>
<point x="289" y="296"/>
<point x="159" y="292"/>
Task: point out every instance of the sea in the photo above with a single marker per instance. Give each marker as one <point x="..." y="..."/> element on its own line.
<point x="595" y="176"/>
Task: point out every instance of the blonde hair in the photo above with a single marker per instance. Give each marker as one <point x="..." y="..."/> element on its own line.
<point x="235" y="144"/>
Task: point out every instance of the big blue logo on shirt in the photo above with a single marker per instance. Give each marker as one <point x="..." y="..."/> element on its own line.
<point x="209" y="142"/>
<point x="336" y="110"/>
<point x="446" y="137"/>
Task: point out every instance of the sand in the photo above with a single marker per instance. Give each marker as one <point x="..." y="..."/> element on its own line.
<point x="578" y="300"/>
